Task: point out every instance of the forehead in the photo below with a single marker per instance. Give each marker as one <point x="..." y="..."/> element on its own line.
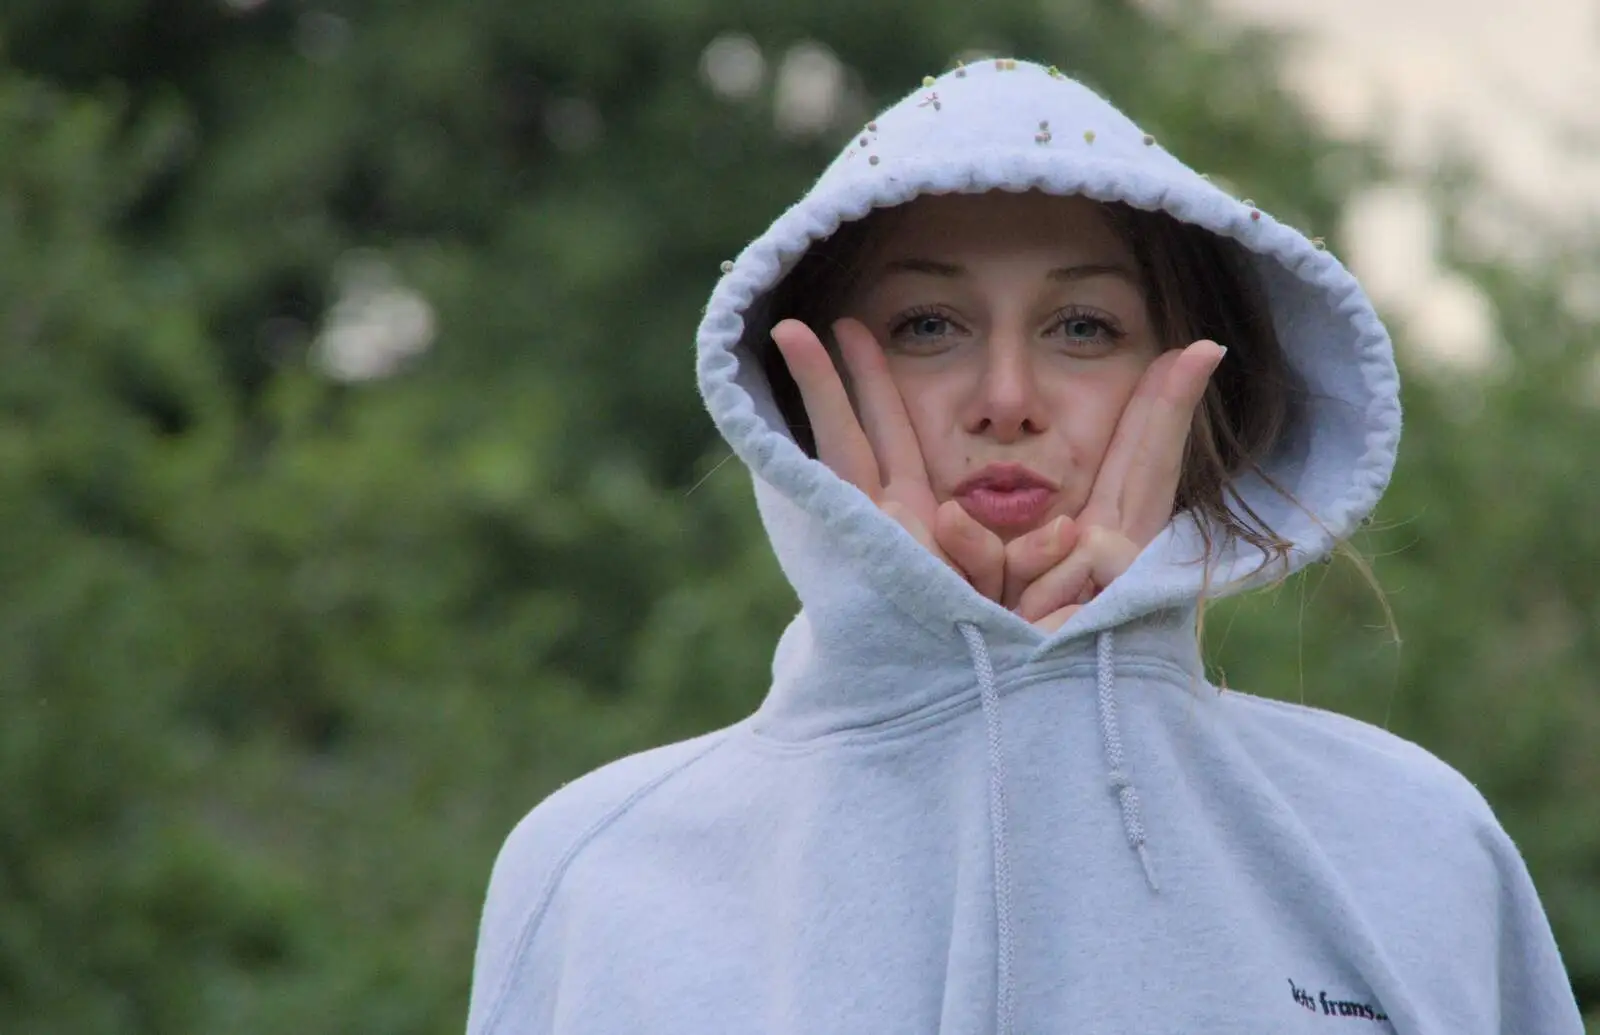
<point x="1003" y="222"/>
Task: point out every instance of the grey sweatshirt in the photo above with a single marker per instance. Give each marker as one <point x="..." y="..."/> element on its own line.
<point x="941" y="819"/>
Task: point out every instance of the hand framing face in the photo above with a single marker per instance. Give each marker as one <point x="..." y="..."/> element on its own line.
<point x="1048" y="573"/>
<point x="1135" y="488"/>
<point x="879" y="453"/>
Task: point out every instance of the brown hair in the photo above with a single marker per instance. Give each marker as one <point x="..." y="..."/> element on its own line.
<point x="1197" y="285"/>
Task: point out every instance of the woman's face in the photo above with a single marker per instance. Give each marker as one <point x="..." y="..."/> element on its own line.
<point x="1015" y="328"/>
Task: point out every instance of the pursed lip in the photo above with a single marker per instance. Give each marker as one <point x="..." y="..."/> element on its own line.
<point x="1005" y="478"/>
<point x="1007" y="499"/>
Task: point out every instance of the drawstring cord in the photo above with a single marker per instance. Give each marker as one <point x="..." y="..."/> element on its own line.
<point x="1006" y="999"/>
<point x="1111" y="740"/>
<point x="1127" y="796"/>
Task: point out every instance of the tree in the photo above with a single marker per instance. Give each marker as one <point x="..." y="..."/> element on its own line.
<point x="295" y="633"/>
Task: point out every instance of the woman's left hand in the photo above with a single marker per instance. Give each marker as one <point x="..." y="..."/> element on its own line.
<point x="1134" y="492"/>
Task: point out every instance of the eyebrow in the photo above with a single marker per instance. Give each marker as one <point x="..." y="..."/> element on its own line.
<point x="1065" y="274"/>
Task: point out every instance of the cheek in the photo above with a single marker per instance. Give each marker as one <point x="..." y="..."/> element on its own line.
<point x="934" y="397"/>
<point x="1090" y="404"/>
<point x="931" y="406"/>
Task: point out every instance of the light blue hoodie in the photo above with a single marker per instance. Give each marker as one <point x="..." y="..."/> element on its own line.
<point x="942" y="819"/>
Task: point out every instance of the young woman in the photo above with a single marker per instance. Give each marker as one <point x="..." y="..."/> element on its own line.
<point x="1019" y="391"/>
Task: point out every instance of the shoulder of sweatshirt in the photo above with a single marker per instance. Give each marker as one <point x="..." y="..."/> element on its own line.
<point x="543" y="845"/>
<point x="1347" y="766"/>
<point x="545" y="841"/>
<point x="1349" y="748"/>
<point x="1409" y="835"/>
<point x="1419" y="840"/>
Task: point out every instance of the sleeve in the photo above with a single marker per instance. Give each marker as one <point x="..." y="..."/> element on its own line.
<point x="513" y="990"/>
<point x="1535" y="992"/>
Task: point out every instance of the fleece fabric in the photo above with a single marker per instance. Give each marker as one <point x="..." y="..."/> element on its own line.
<point x="941" y="819"/>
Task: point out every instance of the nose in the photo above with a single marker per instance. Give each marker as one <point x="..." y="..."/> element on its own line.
<point x="1006" y="402"/>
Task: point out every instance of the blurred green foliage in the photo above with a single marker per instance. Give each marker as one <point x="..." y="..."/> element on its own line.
<point x="284" y="655"/>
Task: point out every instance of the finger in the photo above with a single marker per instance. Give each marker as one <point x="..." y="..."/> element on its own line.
<point x="1031" y="555"/>
<point x="1056" y="588"/>
<point x="1150" y="485"/>
<point x="1056" y="619"/>
<point x="841" y="443"/>
<point x="883" y="411"/>
<point x="1101" y="556"/>
<point x="974" y="550"/>
<point x="1104" y="507"/>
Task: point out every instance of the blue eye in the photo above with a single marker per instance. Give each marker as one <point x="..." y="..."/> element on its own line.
<point x="923" y="328"/>
<point x="923" y="325"/>
<point x="1080" y="326"/>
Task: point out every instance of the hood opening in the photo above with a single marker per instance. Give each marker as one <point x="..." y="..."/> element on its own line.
<point x="1197" y="285"/>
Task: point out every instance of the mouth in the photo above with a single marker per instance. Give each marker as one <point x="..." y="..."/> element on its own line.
<point x="1007" y="497"/>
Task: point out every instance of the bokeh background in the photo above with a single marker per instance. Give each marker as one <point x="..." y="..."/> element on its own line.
<point x="355" y="492"/>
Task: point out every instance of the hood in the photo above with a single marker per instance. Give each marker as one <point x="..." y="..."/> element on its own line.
<point x="863" y="582"/>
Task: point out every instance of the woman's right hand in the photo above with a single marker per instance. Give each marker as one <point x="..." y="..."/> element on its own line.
<point x="879" y="452"/>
